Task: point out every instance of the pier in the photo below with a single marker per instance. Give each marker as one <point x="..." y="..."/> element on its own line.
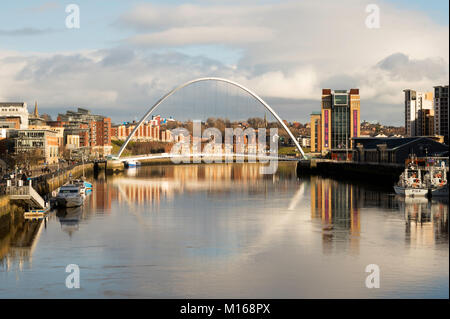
<point x="25" y="195"/>
<point x="373" y="173"/>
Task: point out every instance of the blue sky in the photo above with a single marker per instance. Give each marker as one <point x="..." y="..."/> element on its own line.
<point x="274" y="47"/>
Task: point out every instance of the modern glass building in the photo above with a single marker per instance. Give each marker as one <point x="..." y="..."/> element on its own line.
<point x="340" y="121"/>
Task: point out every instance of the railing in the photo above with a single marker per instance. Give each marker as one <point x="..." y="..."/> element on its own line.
<point x="26" y="190"/>
<point x="18" y="190"/>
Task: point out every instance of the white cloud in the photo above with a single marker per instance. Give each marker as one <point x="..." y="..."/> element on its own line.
<point x="288" y="50"/>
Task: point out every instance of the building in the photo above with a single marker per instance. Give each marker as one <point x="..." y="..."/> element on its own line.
<point x="14" y="112"/>
<point x="94" y="130"/>
<point x="339" y="122"/>
<point x="148" y="131"/>
<point x="316" y="132"/>
<point x="415" y="105"/>
<point x="34" y="119"/>
<point x="72" y="142"/>
<point x="425" y="122"/>
<point x="43" y="140"/>
<point x="395" y="150"/>
<point x="59" y="132"/>
<point x="304" y="141"/>
<point x="441" y="109"/>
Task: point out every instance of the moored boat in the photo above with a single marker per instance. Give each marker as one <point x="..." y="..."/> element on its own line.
<point x="69" y="195"/>
<point x="410" y="183"/>
<point x="131" y="164"/>
<point x="436" y="179"/>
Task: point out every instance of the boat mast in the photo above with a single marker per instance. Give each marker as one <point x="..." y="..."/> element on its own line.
<point x="82" y="160"/>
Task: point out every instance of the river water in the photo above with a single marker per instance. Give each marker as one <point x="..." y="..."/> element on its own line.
<point x="226" y="231"/>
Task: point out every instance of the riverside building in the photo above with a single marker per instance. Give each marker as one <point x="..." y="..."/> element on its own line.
<point x="338" y="122"/>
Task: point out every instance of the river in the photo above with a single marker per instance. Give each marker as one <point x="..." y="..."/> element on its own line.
<point x="226" y="231"/>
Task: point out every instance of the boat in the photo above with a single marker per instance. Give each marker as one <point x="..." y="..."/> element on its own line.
<point x="79" y="183"/>
<point x="69" y="195"/>
<point x="410" y="183"/>
<point x="436" y="179"/>
<point x="131" y="164"/>
<point x="85" y="187"/>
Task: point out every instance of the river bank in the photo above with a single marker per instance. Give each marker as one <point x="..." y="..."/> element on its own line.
<point x="373" y="173"/>
<point x="44" y="185"/>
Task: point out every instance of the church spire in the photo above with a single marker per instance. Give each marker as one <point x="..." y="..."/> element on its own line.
<point x="35" y="113"/>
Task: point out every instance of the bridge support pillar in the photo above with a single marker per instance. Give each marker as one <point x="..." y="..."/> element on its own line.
<point x="113" y="166"/>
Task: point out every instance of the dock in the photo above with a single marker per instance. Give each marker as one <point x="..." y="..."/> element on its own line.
<point x="374" y="173"/>
<point x="25" y="195"/>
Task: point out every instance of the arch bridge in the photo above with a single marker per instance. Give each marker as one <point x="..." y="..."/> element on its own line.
<point x="166" y="96"/>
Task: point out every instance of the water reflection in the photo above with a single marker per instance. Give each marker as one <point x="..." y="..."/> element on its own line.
<point x="18" y="242"/>
<point x="426" y="221"/>
<point x="198" y="229"/>
<point x="69" y="218"/>
<point x="338" y="206"/>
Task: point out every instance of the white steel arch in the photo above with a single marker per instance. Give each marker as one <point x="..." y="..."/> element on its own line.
<point x="260" y="100"/>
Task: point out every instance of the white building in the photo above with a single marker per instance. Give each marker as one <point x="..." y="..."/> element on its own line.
<point x="414" y="102"/>
<point x="15" y="112"/>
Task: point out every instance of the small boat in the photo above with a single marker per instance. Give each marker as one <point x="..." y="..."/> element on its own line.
<point x="37" y="214"/>
<point x="436" y="180"/>
<point x="410" y="183"/>
<point x="79" y="183"/>
<point x="85" y="187"/>
<point x="131" y="164"/>
<point x="69" y="195"/>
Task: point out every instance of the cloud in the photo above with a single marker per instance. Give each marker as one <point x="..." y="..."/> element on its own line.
<point x="203" y="35"/>
<point x="46" y="6"/>
<point x="286" y="52"/>
<point x="24" y="32"/>
<point x="401" y="67"/>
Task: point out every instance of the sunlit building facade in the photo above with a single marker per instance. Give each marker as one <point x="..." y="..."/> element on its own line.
<point x="339" y="121"/>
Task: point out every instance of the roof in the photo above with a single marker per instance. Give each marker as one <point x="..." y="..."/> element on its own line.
<point x="20" y="104"/>
<point x="316" y="113"/>
<point x="391" y="142"/>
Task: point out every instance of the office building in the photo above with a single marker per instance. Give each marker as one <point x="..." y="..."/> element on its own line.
<point x="441" y="108"/>
<point x="415" y="104"/>
<point x="41" y="140"/>
<point x="316" y="132"/>
<point x="339" y="122"/>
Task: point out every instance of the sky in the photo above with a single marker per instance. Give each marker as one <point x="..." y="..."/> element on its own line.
<point x="127" y="54"/>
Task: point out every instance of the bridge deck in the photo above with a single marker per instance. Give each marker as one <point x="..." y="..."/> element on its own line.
<point x="208" y="156"/>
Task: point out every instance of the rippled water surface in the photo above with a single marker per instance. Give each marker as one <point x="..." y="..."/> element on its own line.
<point x="225" y="231"/>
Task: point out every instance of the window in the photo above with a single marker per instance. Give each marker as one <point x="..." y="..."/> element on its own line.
<point x="340" y="99"/>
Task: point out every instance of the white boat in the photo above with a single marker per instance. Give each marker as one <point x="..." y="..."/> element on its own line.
<point x="411" y="192"/>
<point x="436" y="179"/>
<point x="131" y="164"/>
<point x="410" y="183"/>
<point x="69" y="195"/>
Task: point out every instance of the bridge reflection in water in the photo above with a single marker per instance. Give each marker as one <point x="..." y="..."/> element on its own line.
<point x="346" y="215"/>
